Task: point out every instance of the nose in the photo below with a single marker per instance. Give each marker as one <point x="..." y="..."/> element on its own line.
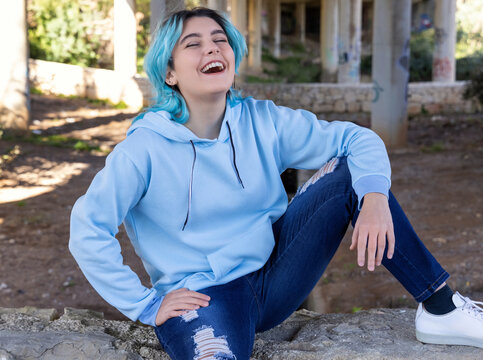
<point x="212" y="49"/>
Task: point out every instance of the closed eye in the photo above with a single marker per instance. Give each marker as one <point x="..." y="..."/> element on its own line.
<point x="192" y="45"/>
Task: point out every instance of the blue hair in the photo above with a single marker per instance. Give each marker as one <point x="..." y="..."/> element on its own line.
<point x="158" y="58"/>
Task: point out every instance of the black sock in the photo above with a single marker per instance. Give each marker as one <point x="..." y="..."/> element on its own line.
<point x="440" y="302"/>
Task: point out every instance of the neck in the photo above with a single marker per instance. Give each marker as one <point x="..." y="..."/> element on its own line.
<point x="206" y="117"/>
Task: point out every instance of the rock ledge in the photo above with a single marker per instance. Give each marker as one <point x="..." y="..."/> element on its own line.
<point x="30" y="333"/>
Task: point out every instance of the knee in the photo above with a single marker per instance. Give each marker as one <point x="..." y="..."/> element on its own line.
<point x="335" y="171"/>
<point x="209" y="346"/>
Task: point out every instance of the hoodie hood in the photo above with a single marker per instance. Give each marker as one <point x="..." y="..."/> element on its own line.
<point x="161" y="123"/>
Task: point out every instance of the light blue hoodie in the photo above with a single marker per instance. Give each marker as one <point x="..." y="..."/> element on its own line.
<point x="199" y="212"/>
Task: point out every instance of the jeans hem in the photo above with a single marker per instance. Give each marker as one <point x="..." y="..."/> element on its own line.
<point x="432" y="288"/>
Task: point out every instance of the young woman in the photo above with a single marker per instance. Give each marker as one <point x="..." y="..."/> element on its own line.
<point x="197" y="185"/>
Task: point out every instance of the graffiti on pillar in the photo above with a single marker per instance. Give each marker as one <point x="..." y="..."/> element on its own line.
<point x="440" y="35"/>
<point x="403" y="63"/>
<point x="442" y="67"/>
<point x="343" y="54"/>
<point x="377" y="90"/>
<point x="343" y="58"/>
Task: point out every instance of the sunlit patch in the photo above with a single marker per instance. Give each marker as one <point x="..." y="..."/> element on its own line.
<point x="210" y="347"/>
<point x="22" y="192"/>
<point x="324" y="170"/>
<point x="37" y="178"/>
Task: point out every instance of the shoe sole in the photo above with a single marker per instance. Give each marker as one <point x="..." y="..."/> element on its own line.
<point x="447" y="340"/>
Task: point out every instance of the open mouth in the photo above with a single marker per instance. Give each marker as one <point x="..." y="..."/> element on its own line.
<point x="213" y="68"/>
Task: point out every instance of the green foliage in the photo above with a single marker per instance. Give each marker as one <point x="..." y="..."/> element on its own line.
<point x="143" y="33"/>
<point x="59" y="141"/>
<point x="63" y="31"/>
<point x="34" y="90"/>
<point x="474" y="88"/>
<point x="469" y="35"/>
<point x="421" y="56"/>
<point x="434" y="148"/>
<point x="291" y="69"/>
<point x="467" y="67"/>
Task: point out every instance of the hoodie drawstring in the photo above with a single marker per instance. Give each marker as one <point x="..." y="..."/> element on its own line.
<point x="190" y="191"/>
<point x="234" y="156"/>
<point x="191" y="185"/>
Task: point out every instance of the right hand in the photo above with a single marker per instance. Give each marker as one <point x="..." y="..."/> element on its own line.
<point x="179" y="302"/>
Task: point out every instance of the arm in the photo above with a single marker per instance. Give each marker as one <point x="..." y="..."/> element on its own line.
<point x="306" y="142"/>
<point x="95" y="219"/>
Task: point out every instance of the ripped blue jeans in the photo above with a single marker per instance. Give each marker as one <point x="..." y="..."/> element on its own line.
<point x="306" y="237"/>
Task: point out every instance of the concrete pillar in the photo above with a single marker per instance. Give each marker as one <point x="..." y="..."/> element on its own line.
<point x="350" y="18"/>
<point x="275" y="19"/>
<point x="300" y="21"/>
<point x="444" y="68"/>
<point x="239" y="15"/>
<point x="390" y="70"/>
<point x="239" y="18"/>
<point x="14" y="88"/>
<point x="255" y="35"/>
<point x="160" y="9"/>
<point x="125" y="47"/>
<point x="219" y="5"/>
<point x="329" y="27"/>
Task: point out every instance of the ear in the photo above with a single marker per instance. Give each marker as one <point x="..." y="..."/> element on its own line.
<point x="171" y="78"/>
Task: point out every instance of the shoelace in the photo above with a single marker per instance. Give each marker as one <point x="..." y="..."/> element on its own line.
<point x="473" y="307"/>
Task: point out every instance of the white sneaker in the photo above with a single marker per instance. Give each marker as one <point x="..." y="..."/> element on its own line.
<point x="462" y="326"/>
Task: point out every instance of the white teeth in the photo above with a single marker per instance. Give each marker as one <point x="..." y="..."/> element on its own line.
<point x="212" y="65"/>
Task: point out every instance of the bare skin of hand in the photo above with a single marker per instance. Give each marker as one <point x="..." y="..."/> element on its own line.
<point x="373" y="226"/>
<point x="179" y="302"/>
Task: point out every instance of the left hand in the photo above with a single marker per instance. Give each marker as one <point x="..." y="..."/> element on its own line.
<point x="373" y="226"/>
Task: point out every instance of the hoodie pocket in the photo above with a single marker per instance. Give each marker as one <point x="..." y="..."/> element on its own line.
<point x="243" y="254"/>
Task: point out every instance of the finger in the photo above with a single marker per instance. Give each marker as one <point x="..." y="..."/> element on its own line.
<point x="187" y="299"/>
<point x="175" y="313"/>
<point x="182" y="306"/>
<point x="361" y="247"/>
<point x="199" y="295"/>
<point x="194" y="297"/>
<point x="182" y="293"/>
<point x="381" y="246"/>
<point x="355" y="234"/>
<point x="391" y="243"/>
<point x="371" y="251"/>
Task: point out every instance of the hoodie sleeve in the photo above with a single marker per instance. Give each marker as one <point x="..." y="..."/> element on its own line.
<point x="95" y="219"/>
<point x="307" y="143"/>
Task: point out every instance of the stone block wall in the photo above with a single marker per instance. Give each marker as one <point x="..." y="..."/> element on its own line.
<point x="432" y="98"/>
<point x="423" y="98"/>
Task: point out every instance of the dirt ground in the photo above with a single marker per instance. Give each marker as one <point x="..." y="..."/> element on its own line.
<point x="438" y="180"/>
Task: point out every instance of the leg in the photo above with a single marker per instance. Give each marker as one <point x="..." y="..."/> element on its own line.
<point x="308" y="235"/>
<point x="223" y="330"/>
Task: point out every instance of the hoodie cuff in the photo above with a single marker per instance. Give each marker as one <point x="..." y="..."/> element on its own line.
<point x="371" y="183"/>
<point x="148" y="316"/>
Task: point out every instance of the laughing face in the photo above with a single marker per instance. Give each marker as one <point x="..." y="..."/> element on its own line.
<point x="203" y="61"/>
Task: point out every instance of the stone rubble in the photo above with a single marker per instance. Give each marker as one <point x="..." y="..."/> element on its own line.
<point x="30" y="333"/>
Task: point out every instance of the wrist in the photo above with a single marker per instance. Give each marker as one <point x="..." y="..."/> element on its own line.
<point x="375" y="196"/>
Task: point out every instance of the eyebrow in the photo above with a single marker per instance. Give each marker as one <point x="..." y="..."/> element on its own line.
<point x="217" y="31"/>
